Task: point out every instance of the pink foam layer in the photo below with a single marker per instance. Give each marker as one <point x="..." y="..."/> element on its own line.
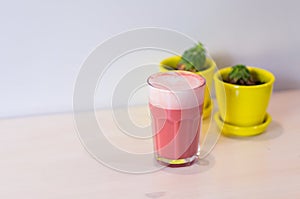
<point x="176" y="90"/>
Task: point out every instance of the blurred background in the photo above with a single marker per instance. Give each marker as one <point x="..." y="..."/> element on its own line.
<point x="44" y="43"/>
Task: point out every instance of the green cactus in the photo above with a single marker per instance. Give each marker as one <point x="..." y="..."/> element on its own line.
<point x="193" y="59"/>
<point x="240" y="75"/>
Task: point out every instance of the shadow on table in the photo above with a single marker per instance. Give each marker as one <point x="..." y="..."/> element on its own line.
<point x="274" y="131"/>
<point x="200" y="166"/>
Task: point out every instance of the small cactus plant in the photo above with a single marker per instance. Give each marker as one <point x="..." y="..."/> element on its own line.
<point x="240" y="75"/>
<point x="193" y="59"/>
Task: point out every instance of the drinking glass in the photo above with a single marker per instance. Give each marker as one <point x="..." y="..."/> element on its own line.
<point x="176" y="105"/>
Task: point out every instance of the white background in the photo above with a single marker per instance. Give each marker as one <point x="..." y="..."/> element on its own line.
<point x="43" y="43"/>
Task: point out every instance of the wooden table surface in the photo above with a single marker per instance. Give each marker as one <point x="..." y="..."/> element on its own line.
<point x="42" y="157"/>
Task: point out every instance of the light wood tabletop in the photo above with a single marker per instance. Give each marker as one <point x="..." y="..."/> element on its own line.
<point x="42" y="157"/>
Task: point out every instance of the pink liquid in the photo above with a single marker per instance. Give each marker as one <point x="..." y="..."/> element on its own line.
<point x="176" y="132"/>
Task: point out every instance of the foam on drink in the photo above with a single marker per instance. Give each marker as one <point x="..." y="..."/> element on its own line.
<point x="176" y="90"/>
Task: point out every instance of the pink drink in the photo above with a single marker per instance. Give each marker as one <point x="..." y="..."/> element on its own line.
<point x="176" y="102"/>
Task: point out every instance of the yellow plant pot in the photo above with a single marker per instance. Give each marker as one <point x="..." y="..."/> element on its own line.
<point x="243" y="106"/>
<point x="207" y="74"/>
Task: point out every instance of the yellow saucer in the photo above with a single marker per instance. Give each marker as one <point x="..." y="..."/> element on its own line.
<point x="230" y="130"/>
<point x="207" y="110"/>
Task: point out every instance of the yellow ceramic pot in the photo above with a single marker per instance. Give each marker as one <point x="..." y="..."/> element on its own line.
<point x="207" y="74"/>
<point x="244" y="106"/>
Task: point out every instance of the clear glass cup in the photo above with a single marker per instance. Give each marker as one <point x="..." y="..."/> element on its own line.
<point x="176" y="106"/>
